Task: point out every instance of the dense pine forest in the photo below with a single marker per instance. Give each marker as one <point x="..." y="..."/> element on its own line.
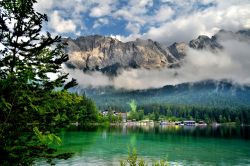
<point x="212" y="101"/>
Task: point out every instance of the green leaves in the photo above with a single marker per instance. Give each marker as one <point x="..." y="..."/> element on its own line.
<point x="132" y="105"/>
<point x="133" y="160"/>
<point x="47" y="138"/>
<point x="31" y="59"/>
<point x="132" y="157"/>
<point x="29" y="99"/>
<point x="4" y="104"/>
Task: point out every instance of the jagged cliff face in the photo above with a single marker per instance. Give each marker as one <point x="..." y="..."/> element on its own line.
<point x="204" y="42"/>
<point x="178" y="50"/>
<point x="109" y="55"/>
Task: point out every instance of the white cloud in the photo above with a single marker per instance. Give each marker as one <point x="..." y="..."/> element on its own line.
<point x="133" y="27"/>
<point x="72" y="8"/>
<point x="135" y="11"/>
<point x="91" y="79"/>
<point x="187" y="23"/>
<point x="131" y="37"/>
<point x="100" y="22"/>
<point x="205" y="22"/>
<point x="128" y="15"/>
<point x="61" y="25"/>
<point x="43" y="5"/>
<point x="118" y="37"/>
<point x="100" y="11"/>
<point x="176" y="31"/>
<point x="102" y="8"/>
<point x="67" y="11"/>
<point x="163" y="14"/>
<point x="170" y="21"/>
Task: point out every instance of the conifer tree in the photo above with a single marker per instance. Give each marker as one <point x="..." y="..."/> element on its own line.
<point x="27" y="57"/>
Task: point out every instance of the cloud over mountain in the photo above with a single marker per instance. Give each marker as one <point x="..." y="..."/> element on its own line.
<point x="228" y="59"/>
<point x="165" y="21"/>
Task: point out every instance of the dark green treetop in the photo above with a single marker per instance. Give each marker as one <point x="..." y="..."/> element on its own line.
<point x="27" y="54"/>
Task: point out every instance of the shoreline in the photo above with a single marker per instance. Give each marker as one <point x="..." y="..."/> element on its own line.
<point x="171" y="124"/>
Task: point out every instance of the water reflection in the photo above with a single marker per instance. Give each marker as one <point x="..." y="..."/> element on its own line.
<point x="222" y="145"/>
<point x="194" y="131"/>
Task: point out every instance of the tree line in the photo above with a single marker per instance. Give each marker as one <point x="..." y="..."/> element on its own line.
<point x="241" y="115"/>
<point x="178" y="112"/>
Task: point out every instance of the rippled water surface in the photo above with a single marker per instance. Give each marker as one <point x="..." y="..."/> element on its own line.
<point x="178" y="145"/>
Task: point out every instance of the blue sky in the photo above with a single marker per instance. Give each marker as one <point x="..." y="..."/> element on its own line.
<point x="166" y="21"/>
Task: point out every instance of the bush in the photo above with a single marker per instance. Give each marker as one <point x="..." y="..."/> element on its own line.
<point x="132" y="160"/>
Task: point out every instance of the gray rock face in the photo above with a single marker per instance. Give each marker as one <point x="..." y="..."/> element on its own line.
<point x="109" y="55"/>
<point x="204" y="42"/>
<point x="213" y="43"/>
<point x="223" y="35"/>
<point x="245" y="32"/>
<point x="178" y="50"/>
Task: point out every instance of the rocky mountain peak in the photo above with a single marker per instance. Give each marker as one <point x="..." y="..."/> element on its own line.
<point x="178" y="50"/>
<point x="245" y="32"/>
<point x="204" y="42"/>
<point x="109" y="55"/>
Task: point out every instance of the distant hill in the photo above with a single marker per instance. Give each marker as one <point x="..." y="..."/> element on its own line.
<point x="219" y="94"/>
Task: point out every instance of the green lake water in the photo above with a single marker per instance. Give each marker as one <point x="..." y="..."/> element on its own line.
<point x="178" y="145"/>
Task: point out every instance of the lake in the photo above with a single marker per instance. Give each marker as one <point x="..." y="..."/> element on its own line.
<point x="99" y="146"/>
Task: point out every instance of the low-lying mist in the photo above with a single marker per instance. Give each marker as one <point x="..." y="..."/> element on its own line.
<point x="232" y="63"/>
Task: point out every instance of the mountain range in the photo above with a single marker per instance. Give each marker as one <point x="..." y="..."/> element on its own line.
<point x="208" y="93"/>
<point x="109" y="55"/>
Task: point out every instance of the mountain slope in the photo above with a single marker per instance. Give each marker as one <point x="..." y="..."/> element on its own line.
<point x="108" y="55"/>
<point x="104" y="53"/>
<point x="209" y="93"/>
